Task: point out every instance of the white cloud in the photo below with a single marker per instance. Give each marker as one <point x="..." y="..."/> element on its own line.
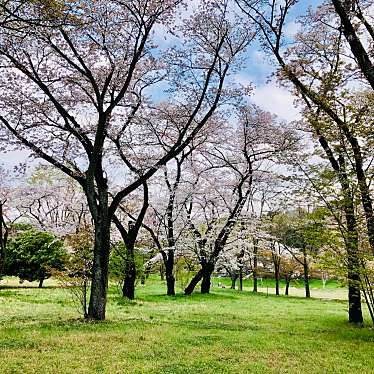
<point x="276" y="100"/>
<point x="291" y="29"/>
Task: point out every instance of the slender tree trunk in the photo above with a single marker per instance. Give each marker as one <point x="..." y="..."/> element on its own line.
<point x="353" y="260"/>
<point x="41" y="282"/>
<point x="84" y="301"/>
<point x="99" y="283"/>
<point x="3" y="238"/>
<point x="366" y="200"/>
<point x="306" y="276"/>
<point x="234" y="277"/>
<point x="162" y="272"/>
<point x="128" y="288"/>
<point x="276" y="274"/>
<point x="255" y="254"/>
<point x="351" y="242"/>
<point x="351" y="238"/>
<point x="287" y="286"/>
<point x="241" y="279"/>
<point x="276" y="263"/>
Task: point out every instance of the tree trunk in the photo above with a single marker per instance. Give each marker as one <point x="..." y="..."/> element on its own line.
<point x="306" y="275"/>
<point x="357" y="48"/>
<point x="194" y="281"/>
<point x="170" y="283"/>
<point x="162" y="272"/>
<point x="41" y="283"/>
<point x="276" y="274"/>
<point x="207" y="273"/>
<point x="170" y="279"/>
<point x="276" y="263"/>
<point x="99" y="283"/>
<point x="255" y="253"/>
<point x="233" y="281"/>
<point x="241" y="279"/>
<point x="204" y="274"/>
<point x="351" y="238"/>
<point x="128" y="289"/>
<point x="205" y="283"/>
<point x="354" y="295"/>
<point x="84" y="301"/>
<point x="287" y="286"/>
<point x="4" y="231"/>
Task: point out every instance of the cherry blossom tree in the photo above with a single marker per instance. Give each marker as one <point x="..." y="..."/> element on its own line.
<point x="226" y="183"/>
<point x="79" y="89"/>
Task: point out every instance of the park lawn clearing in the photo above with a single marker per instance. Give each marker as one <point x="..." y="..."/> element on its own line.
<point x="224" y="332"/>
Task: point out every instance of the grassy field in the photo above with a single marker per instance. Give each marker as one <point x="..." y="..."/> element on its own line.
<point x="224" y="332"/>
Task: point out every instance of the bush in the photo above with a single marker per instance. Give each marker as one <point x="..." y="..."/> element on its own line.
<point x="32" y="255"/>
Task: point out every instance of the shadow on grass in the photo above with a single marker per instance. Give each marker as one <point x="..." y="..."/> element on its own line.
<point x="21" y="287"/>
<point x="180" y="297"/>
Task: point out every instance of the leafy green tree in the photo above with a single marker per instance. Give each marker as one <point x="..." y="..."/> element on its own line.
<point x="33" y="254"/>
<point x="303" y="235"/>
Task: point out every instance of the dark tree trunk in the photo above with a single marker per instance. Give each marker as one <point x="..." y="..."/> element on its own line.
<point x="357" y="48"/>
<point x="4" y="230"/>
<point x="170" y="279"/>
<point x="99" y="283"/>
<point x="366" y="200"/>
<point x="162" y="272"/>
<point x="276" y="263"/>
<point x="234" y="277"/>
<point x="287" y="286"/>
<point x="207" y="274"/>
<point x="84" y="301"/>
<point x="255" y="253"/>
<point x="170" y="283"/>
<point x="193" y="283"/>
<point x="306" y="275"/>
<point x="241" y="279"/>
<point x="276" y="274"/>
<point x="41" y="283"/>
<point x="128" y="288"/>
<point x="351" y="242"/>
<point x="354" y="295"/>
<point x="205" y="283"/>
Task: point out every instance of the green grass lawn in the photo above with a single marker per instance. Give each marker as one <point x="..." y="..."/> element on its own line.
<point x="224" y="332"/>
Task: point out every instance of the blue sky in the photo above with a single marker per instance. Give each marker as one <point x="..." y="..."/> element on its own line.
<point x="256" y="70"/>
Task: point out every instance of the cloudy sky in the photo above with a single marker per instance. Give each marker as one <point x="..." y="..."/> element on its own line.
<point x="256" y="71"/>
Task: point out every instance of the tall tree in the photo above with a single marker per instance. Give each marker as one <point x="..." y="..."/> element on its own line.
<point x="227" y="183"/>
<point x="316" y="86"/>
<point x="85" y="103"/>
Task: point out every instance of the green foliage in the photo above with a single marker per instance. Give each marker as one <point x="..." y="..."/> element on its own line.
<point x="32" y="255"/>
<point x="118" y="262"/>
<point x="307" y="231"/>
<point x="184" y="271"/>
